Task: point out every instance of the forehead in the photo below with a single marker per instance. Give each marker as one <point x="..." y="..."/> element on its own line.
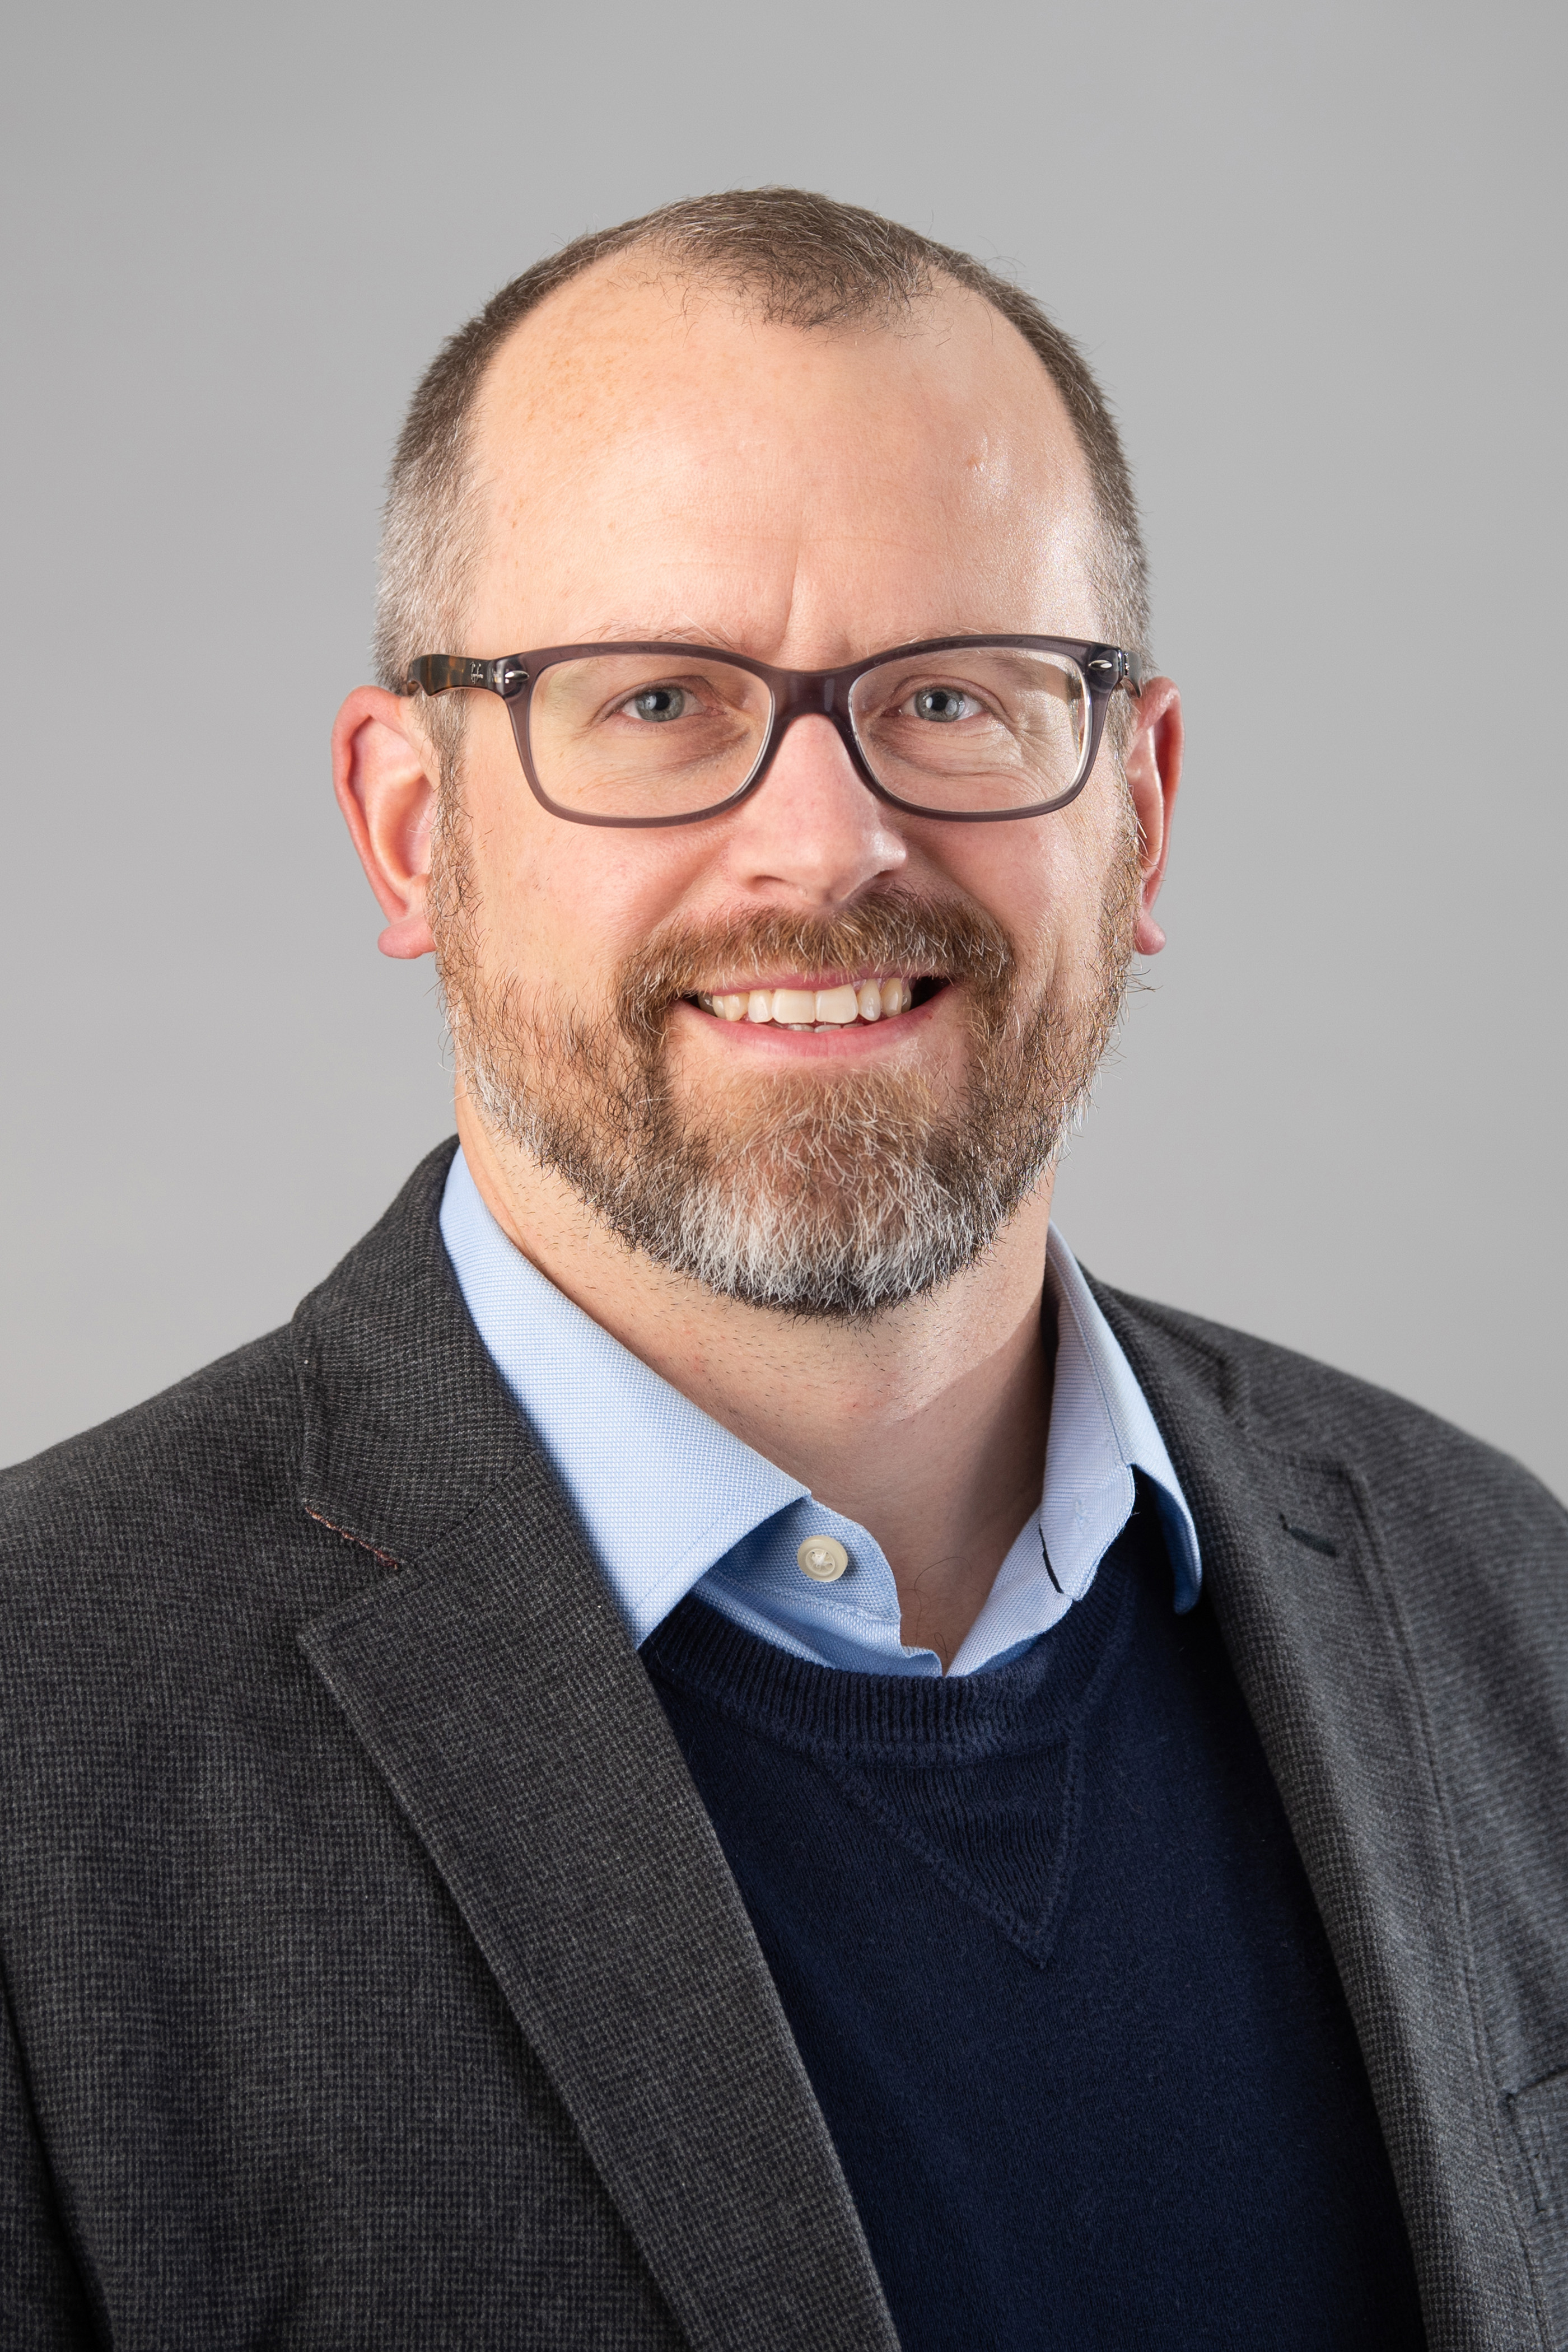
<point x="653" y="453"/>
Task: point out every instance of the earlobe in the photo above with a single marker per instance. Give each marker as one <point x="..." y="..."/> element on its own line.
<point x="382" y="779"/>
<point x="1153" y="773"/>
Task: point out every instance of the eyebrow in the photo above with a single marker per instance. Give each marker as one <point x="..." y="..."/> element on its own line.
<point x="672" y="632"/>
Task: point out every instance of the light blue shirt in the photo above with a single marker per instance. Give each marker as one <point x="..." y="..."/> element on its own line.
<point x="672" y="1503"/>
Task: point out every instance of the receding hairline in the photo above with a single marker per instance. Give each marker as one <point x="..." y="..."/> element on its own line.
<point x="679" y="279"/>
<point x="654" y="261"/>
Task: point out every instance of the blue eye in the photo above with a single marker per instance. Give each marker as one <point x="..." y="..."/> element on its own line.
<point x="942" y="704"/>
<point x="659" y="702"/>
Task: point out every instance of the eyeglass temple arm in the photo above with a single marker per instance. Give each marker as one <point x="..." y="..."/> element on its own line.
<point x="440" y="673"/>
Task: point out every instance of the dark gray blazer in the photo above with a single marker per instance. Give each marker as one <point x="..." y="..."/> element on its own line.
<point x="373" y="1976"/>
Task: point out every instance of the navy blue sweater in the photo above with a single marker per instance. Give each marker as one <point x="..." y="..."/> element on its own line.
<point x="1052" y="1963"/>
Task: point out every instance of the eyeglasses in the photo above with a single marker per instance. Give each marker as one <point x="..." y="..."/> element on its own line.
<point x="977" y="730"/>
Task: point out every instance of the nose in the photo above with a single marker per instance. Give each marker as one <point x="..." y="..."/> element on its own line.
<point x="811" y="834"/>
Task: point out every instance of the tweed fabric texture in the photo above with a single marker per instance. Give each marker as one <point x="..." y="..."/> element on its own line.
<point x="400" y="1998"/>
<point x="372" y="1975"/>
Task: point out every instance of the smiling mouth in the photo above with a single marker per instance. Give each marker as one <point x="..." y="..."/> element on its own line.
<point x="850" y="1004"/>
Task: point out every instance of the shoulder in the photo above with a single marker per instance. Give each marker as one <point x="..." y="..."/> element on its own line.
<point x="212" y="1468"/>
<point x="156" y="1573"/>
<point x="202" y="1462"/>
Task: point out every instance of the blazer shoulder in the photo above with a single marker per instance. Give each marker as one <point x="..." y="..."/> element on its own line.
<point x="1412" y="1461"/>
<point x="217" y="1449"/>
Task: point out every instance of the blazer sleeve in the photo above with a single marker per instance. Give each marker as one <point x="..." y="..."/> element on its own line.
<point x="44" y="2305"/>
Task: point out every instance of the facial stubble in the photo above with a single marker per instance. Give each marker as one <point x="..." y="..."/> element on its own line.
<point x="811" y="1193"/>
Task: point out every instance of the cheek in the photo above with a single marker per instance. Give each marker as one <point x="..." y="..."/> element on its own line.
<point x="1044" y="879"/>
<point x="572" y="899"/>
<point x="1029" y="875"/>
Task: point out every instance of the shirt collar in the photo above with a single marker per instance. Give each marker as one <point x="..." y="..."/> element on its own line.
<point x="1101" y="1431"/>
<point x="665" y="1494"/>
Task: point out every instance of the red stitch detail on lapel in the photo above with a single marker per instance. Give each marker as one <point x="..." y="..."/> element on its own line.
<point x="348" y="1535"/>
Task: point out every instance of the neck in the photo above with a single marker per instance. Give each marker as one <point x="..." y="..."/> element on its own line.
<point x="926" y="1425"/>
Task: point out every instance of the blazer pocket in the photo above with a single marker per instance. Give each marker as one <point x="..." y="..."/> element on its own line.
<point x="1540" y="2115"/>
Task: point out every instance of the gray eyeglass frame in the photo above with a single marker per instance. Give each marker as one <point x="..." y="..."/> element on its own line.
<point x="793" y="694"/>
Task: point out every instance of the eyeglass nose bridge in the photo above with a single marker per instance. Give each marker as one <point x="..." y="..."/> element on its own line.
<point x="811" y="694"/>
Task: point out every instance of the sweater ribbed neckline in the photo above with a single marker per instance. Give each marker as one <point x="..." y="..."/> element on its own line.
<point x="948" y="1719"/>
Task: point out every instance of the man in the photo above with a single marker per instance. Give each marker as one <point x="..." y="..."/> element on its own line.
<point x="716" y="1748"/>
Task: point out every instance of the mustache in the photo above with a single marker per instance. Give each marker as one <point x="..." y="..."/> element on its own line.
<point x="896" y="931"/>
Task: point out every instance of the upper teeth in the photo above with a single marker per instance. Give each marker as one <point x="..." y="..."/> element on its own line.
<point x="813" y="1008"/>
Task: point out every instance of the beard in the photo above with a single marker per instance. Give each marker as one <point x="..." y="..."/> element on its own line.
<point x="813" y="1192"/>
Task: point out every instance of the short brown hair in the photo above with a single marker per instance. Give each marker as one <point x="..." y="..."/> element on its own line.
<point x="804" y="261"/>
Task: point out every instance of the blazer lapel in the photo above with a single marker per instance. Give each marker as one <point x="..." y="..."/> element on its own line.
<point x="499" y="1694"/>
<point x="1295" y="1567"/>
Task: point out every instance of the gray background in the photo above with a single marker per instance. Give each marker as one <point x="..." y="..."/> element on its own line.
<point x="1315" y="255"/>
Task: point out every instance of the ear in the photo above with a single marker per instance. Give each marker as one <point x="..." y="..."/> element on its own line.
<point x="1153" y="771"/>
<point x="380" y="773"/>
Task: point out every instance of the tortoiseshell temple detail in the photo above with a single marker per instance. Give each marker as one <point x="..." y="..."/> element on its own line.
<point x="440" y="673"/>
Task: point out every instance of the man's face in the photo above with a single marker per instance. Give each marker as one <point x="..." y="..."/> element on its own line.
<point x="656" y="463"/>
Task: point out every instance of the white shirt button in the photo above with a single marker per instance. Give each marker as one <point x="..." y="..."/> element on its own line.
<point x="822" y="1558"/>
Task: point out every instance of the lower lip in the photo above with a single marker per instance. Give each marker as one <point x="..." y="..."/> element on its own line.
<point x="855" y="1039"/>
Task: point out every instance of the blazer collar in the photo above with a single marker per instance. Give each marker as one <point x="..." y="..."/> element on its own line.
<point x="497" y="1692"/>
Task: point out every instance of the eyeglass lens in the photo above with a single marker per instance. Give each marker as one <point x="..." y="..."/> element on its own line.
<point x="966" y="731"/>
